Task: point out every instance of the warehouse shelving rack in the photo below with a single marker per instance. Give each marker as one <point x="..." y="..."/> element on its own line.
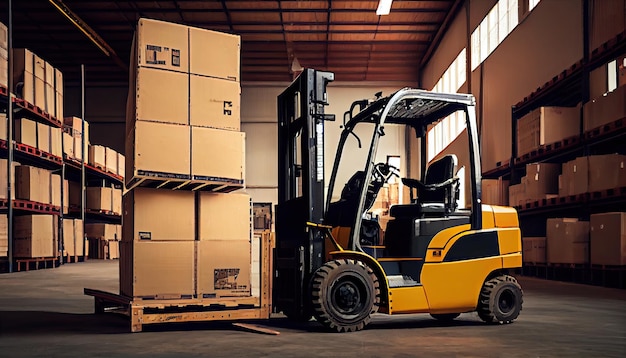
<point x="569" y="88"/>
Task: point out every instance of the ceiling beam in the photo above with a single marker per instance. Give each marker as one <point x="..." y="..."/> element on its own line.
<point x="454" y="10"/>
<point x="148" y="10"/>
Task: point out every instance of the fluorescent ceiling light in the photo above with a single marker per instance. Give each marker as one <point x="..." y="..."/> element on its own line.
<point x="384" y="6"/>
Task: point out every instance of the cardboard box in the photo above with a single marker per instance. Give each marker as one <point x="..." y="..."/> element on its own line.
<point x="3" y="126"/>
<point x="4" y="54"/>
<point x="214" y="54"/>
<point x="541" y="179"/>
<point x="605" y="109"/>
<point x="515" y="194"/>
<point x="607" y="172"/>
<point x="214" y="103"/>
<point x="101" y="231"/>
<point x="121" y="161"/>
<point x="25" y="131"/>
<point x="111" y="160"/>
<point x="534" y="249"/>
<point x="495" y="191"/>
<point x="161" y="96"/>
<point x="567" y="241"/>
<point x="43" y="137"/>
<point x="4" y="177"/>
<point x="99" y="198"/>
<point x="33" y="236"/>
<point x="58" y="84"/>
<point x="116" y="201"/>
<point x="32" y="183"/>
<point x="97" y="156"/>
<point x="575" y="177"/>
<point x="66" y="196"/>
<point x="157" y="269"/>
<point x="23" y="77"/>
<point x="75" y="125"/>
<point x="546" y="125"/>
<point x="158" y="215"/>
<point x="79" y="235"/>
<point x="55" y="190"/>
<point x="50" y="99"/>
<point x="69" y="244"/>
<point x="76" y="148"/>
<point x="114" y="250"/>
<point x="4" y="235"/>
<point x="56" y="137"/>
<point x="59" y="105"/>
<point x="68" y="145"/>
<point x="608" y="239"/>
<point x="158" y="148"/>
<point x="228" y="162"/>
<point x="223" y="268"/>
<point x="40" y="93"/>
<point x="162" y="45"/>
<point x="224" y="216"/>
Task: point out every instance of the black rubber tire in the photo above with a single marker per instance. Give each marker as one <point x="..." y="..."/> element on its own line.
<point x="445" y="316"/>
<point x="345" y="293"/>
<point x="501" y="300"/>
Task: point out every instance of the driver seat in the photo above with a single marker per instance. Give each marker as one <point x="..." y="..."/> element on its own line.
<point x="437" y="195"/>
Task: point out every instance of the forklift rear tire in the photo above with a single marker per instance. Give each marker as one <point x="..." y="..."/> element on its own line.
<point x="345" y="294"/>
<point x="500" y="300"/>
<point x="445" y="316"/>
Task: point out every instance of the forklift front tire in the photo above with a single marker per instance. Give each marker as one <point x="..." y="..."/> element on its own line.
<point x="500" y="300"/>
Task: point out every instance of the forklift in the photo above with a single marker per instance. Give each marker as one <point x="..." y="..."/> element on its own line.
<point x="436" y="257"/>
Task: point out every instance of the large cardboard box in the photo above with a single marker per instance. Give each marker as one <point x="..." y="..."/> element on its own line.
<point x="43" y="137"/>
<point x="224" y="216"/>
<point x="4" y="177"/>
<point x="99" y="198"/>
<point x="223" y="268"/>
<point x="575" y="177"/>
<point x="23" y="77"/>
<point x="157" y="269"/>
<point x="567" y="241"/>
<point x="79" y="235"/>
<point x="69" y="243"/>
<point x="161" y="96"/>
<point x="608" y="239"/>
<point x="541" y="179"/>
<point x="66" y="196"/>
<point x="68" y="145"/>
<point x="3" y="126"/>
<point x="214" y="103"/>
<point x="40" y="82"/>
<point x="58" y="88"/>
<point x="217" y="155"/>
<point x="32" y="183"/>
<point x="97" y="156"/>
<point x="607" y="172"/>
<point x="33" y="236"/>
<point x="111" y="160"/>
<point x="55" y="190"/>
<point x="116" y="201"/>
<point x="605" y="109"/>
<point x="546" y="125"/>
<point x="516" y="193"/>
<point x="534" y="249"/>
<point x="214" y="54"/>
<point x="4" y="235"/>
<point x="158" y="215"/>
<point x="56" y="138"/>
<point x="101" y="231"/>
<point x="495" y="191"/>
<point x="121" y="161"/>
<point x="158" y="148"/>
<point x="25" y="131"/>
<point x="163" y="45"/>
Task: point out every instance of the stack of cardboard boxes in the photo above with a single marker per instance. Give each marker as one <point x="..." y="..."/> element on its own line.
<point x="540" y="182"/>
<point x="106" y="159"/>
<point x="592" y="174"/>
<point x="567" y="241"/>
<point x="183" y="122"/>
<point x="546" y="125"/>
<point x="605" y="109"/>
<point x="103" y="240"/>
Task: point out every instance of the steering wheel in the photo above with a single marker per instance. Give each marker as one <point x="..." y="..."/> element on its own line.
<point x="383" y="172"/>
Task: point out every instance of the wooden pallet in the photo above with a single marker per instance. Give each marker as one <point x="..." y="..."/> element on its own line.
<point x="606" y="129"/>
<point x="142" y="311"/>
<point x="19" y="102"/>
<point x="36" y="263"/>
<point x="183" y="182"/>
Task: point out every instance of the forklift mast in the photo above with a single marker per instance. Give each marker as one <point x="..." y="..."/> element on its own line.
<point x="299" y="251"/>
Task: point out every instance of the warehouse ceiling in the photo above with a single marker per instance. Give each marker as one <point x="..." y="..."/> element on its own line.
<point x="346" y="37"/>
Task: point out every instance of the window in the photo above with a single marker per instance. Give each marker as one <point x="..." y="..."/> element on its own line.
<point x="532" y="4"/>
<point x="495" y="27"/>
<point x="612" y="75"/>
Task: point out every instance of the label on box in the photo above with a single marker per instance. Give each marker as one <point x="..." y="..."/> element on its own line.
<point x="152" y="55"/>
<point x="143" y="235"/>
<point x="226" y="279"/>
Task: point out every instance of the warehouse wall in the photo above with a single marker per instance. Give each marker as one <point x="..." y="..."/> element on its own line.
<point x="533" y="53"/>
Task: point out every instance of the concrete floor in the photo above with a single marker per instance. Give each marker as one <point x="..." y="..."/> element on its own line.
<point x="44" y="313"/>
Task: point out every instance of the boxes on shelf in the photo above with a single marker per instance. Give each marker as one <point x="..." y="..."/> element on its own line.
<point x="495" y="191"/>
<point x="214" y="103"/>
<point x="574" y="177"/>
<point x="4" y="177"/>
<point x="25" y="131"/>
<point x="227" y="161"/>
<point x="224" y="63"/>
<point x="23" y="76"/>
<point x="50" y="95"/>
<point x="3" y="126"/>
<point x="121" y="162"/>
<point x="567" y="241"/>
<point x="116" y="201"/>
<point x="608" y="239"/>
<point x="607" y="172"/>
<point x="55" y="190"/>
<point x="75" y="125"/>
<point x="605" y="109"/>
<point x="43" y="137"/>
<point x="33" y="236"/>
<point x="68" y="145"/>
<point x="158" y="148"/>
<point x="541" y="179"/>
<point x="158" y="215"/>
<point x="516" y="193"/>
<point x="103" y="249"/>
<point x="4" y="54"/>
<point x="32" y="183"/>
<point x="40" y="82"/>
<point x="74" y="237"/>
<point x="534" y="249"/>
<point x="546" y="125"/>
<point x="99" y="198"/>
<point x="58" y="89"/>
<point x="101" y="231"/>
<point x="111" y="160"/>
<point x="157" y="269"/>
<point x="223" y="268"/>
<point x="97" y="156"/>
<point x="56" y="137"/>
<point x="224" y="216"/>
